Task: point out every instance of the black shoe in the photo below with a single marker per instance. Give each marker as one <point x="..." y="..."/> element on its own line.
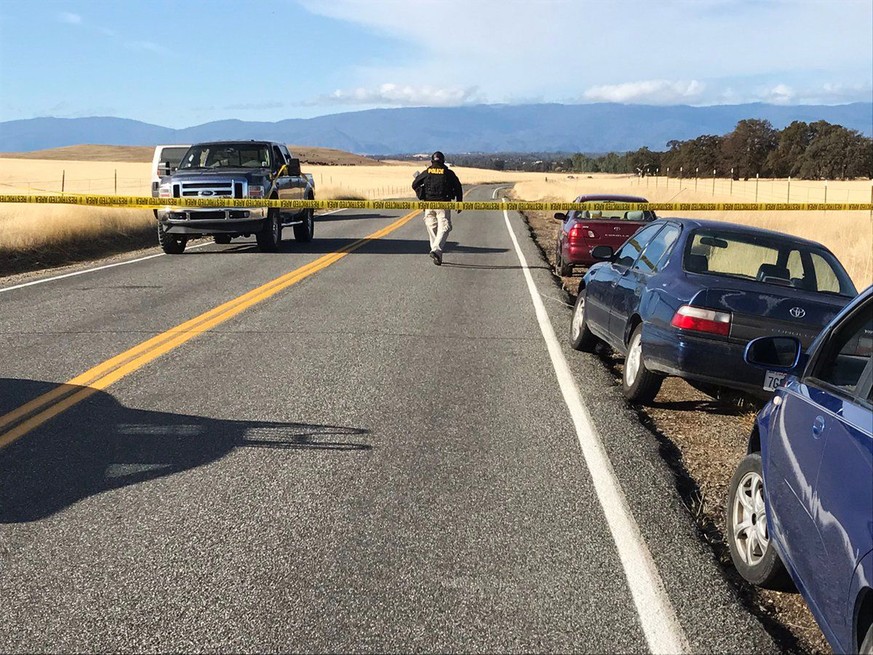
<point x="437" y="257"/>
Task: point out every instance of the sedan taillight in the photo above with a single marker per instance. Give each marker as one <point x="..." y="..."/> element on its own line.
<point x="575" y="236"/>
<point x="698" y="319"/>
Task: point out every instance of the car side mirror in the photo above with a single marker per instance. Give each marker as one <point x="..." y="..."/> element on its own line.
<point x="293" y="166"/>
<point x="165" y="168"/>
<point x="602" y="253"/>
<point x="773" y="353"/>
<point x="561" y="216"/>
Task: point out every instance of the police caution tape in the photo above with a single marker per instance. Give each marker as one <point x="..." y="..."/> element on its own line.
<point x="147" y="202"/>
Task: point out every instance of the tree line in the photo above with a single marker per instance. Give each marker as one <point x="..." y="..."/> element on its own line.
<point x="818" y="150"/>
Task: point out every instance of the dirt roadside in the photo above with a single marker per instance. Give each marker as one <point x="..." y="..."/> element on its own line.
<point x="702" y="440"/>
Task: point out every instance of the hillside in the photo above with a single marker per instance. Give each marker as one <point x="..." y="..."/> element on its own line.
<point x="307" y="155"/>
<point x="590" y="128"/>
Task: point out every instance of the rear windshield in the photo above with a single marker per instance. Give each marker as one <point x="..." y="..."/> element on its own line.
<point x="172" y="156"/>
<point x="617" y="215"/>
<point x="778" y="262"/>
<point x="226" y="155"/>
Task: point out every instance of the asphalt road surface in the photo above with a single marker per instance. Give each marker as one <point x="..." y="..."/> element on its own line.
<point x="348" y="449"/>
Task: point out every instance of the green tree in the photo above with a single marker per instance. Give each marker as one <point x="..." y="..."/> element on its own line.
<point x="746" y="148"/>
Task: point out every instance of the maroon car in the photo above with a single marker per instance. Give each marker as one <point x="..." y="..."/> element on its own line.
<point x="582" y="230"/>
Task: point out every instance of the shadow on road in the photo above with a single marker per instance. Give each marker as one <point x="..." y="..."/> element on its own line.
<point x="99" y="445"/>
<point x="328" y="245"/>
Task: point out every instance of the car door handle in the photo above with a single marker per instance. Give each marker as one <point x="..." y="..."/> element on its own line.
<point x="818" y="426"/>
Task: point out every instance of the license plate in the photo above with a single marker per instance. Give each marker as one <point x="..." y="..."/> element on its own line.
<point x="773" y="379"/>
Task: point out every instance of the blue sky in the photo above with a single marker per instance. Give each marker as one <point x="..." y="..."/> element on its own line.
<point x="182" y="62"/>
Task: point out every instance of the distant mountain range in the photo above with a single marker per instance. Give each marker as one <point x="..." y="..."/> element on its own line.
<point x="591" y="128"/>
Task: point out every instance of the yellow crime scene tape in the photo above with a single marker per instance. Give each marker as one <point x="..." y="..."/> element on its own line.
<point x="148" y="202"/>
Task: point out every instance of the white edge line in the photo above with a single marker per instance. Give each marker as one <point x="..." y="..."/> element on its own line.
<point x="657" y="617"/>
<point x="103" y="268"/>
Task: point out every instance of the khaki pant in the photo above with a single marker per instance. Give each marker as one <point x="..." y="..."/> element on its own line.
<point x="439" y="224"/>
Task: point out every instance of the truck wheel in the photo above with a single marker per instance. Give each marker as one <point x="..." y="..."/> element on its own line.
<point x="306" y="230"/>
<point x="271" y="235"/>
<point x="170" y="243"/>
<point x="221" y="239"/>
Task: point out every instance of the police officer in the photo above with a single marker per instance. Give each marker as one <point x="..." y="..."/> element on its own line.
<point x="440" y="184"/>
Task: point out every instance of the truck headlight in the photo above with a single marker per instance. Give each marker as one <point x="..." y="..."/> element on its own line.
<point x="165" y="191"/>
<point x="256" y="191"/>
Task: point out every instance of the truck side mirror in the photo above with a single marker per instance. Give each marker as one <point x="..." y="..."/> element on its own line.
<point x="561" y="216"/>
<point x="602" y="253"/>
<point x="293" y="167"/>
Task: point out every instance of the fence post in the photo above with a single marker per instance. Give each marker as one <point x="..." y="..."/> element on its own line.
<point x="756" y="186"/>
<point x="63" y="180"/>
<point x="713" y="183"/>
<point x="731" y="185"/>
<point x="680" y="177"/>
<point x="788" y="193"/>
<point x="116" y="181"/>
<point x="696" y="175"/>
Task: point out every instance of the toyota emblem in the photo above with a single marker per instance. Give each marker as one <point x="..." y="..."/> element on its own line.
<point x="206" y="192"/>
<point x="797" y="312"/>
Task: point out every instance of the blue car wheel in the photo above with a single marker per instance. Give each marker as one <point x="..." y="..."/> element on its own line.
<point x="748" y="535"/>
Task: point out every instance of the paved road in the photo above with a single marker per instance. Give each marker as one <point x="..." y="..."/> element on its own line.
<point x="376" y="454"/>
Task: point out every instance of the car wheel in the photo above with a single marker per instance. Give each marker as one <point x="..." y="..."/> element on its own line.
<point x="306" y="230"/>
<point x="221" y="239"/>
<point x="748" y="536"/>
<point x="867" y="644"/>
<point x="564" y="269"/>
<point x="581" y="337"/>
<point x="639" y="384"/>
<point x="171" y="244"/>
<point x="271" y="235"/>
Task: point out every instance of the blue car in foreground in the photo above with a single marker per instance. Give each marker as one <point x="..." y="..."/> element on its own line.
<point x="800" y="504"/>
<point x="684" y="296"/>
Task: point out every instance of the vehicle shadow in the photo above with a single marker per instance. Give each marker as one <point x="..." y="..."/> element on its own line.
<point x="326" y="246"/>
<point x="488" y="268"/>
<point x="100" y="445"/>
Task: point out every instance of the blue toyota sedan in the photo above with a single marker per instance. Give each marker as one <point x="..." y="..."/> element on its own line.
<point x="800" y="504"/>
<point x="683" y="297"/>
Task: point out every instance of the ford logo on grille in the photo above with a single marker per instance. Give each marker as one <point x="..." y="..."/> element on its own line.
<point x="797" y="312"/>
<point x="207" y="192"/>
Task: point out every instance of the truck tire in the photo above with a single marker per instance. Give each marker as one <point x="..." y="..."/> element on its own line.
<point x="271" y="235"/>
<point x="306" y="230"/>
<point x="171" y="244"/>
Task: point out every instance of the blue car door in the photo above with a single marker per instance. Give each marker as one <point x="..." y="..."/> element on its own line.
<point x="655" y="241"/>
<point x="818" y="469"/>
<point x="841" y="499"/>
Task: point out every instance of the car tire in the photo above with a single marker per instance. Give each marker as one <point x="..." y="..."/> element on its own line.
<point x="171" y="244"/>
<point x="867" y="644"/>
<point x="221" y="239"/>
<point x="564" y="269"/>
<point x="581" y="338"/>
<point x="752" y="552"/>
<point x="306" y="230"/>
<point x="639" y="384"/>
<point x="271" y="234"/>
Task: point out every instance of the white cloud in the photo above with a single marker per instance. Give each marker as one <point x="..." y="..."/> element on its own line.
<point x="655" y="92"/>
<point x="400" y="95"/>
<point x="70" y="18"/>
<point x="148" y="46"/>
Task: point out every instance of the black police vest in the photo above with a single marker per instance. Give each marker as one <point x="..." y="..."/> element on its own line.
<point x="436" y="184"/>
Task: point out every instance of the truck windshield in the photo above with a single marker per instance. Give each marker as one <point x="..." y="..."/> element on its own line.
<point x="226" y="155"/>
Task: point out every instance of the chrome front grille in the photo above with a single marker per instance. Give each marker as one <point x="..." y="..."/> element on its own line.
<point x="210" y="189"/>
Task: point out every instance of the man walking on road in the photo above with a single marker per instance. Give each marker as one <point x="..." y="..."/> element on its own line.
<point x="440" y="184"/>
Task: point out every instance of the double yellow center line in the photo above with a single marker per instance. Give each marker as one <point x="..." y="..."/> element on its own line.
<point x="25" y="418"/>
